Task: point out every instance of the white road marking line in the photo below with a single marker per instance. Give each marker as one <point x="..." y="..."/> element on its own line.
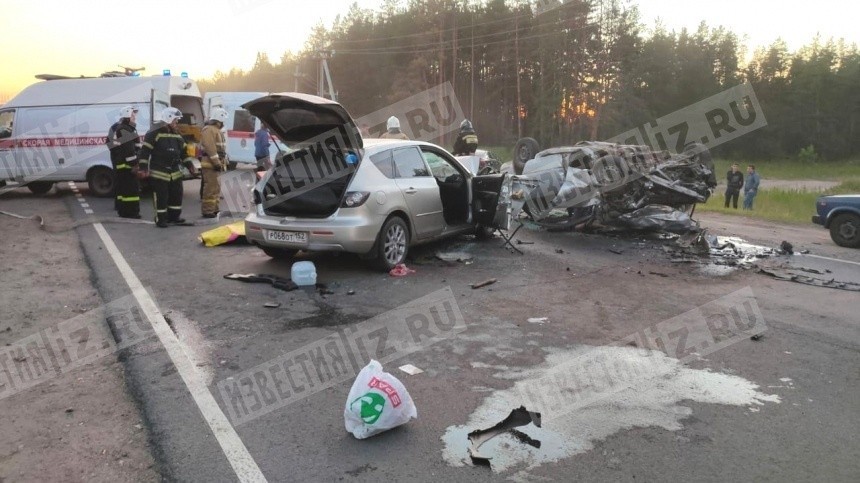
<point x="237" y="454"/>
<point x="88" y="211"/>
<point x="828" y="258"/>
<point x="85" y="205"/>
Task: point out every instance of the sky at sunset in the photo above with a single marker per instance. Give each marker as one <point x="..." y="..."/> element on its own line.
<point x="77" y="37"/>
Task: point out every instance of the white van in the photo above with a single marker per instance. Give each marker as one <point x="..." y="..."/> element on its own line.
<point x="240" y="126"/>
<point x="55" y="130"/>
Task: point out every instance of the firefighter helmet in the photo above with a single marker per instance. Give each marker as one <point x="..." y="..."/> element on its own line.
<point x="171" y="114"/>
<point x="219" y="114"/>
<point x="127" y="111"/>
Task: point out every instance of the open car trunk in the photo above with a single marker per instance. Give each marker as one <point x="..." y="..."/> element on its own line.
<point x="310" y="181"/>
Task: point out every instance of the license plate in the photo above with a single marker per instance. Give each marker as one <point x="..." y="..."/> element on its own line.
<point x="287" y="236"/>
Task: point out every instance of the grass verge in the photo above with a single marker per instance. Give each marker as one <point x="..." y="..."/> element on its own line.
<point x="790" y="169"/>
<point x="791" y="206"/>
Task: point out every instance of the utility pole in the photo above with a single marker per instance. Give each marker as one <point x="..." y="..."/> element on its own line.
<point x="517" y="62"/>
<point x="324" y="76"/>
<point x="296" y="77"/>
<point x="472" y="71"/>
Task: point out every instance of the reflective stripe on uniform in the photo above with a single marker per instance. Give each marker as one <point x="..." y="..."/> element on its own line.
<point x="128" y="198"/>
<point x="130" y="158"/>
<point x="167" y="135"/>
<point x="150" y="146"/>
<point x="160" y="175"/>
<point x="174" y="207"/>
<point x="123" y="166"/>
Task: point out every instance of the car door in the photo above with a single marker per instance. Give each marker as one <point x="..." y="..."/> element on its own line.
<point x="491" y="200"/>
<point x="7" y="144"/>
<point x="420" y="190"/>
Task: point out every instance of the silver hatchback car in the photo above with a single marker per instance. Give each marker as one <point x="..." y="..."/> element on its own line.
<point x="376" y="197"/>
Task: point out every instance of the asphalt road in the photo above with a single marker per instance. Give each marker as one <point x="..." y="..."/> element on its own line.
<point x="590" y="295"/>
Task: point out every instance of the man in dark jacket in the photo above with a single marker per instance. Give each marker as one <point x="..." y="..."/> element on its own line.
<point x="261" y="148"/>
<point x="467" y="141"/>
<point x="734" y="183"/>
<point x="163" y="151"/>
<point x="122" y="141"/>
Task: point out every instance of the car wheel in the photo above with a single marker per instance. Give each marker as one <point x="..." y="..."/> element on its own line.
<point x="279" y="253"/>
<point x="845" y="230"/>
<point x="525" y="150"/>
<point x="40" y="187"/>
<point x="100" y="181"/>
<point x="392" y="244"/>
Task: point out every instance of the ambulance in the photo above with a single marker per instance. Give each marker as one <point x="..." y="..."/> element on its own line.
<point x="240" y="126"/>
<point x="55" y="130"/>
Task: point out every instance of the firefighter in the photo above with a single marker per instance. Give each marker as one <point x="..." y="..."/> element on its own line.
<point x="123" y="143"/>
<point x="394" y="131"/>
<point x="163" y="151"/>
<point x="467" y="141"/>
<point x="214" y="161"/>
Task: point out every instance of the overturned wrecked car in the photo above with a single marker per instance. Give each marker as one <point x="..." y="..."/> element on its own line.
<point x="338" y="192"/>
<point x="626" y="186"/>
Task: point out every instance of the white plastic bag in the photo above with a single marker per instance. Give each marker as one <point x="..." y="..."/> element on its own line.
<point x="377" y="402"/>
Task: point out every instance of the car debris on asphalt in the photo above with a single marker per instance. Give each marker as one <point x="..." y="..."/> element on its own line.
<point x="518" y="417"/>
<point x="484" y="283"/>
<point x="410" y="369"/>
<point x="276" y="281"/>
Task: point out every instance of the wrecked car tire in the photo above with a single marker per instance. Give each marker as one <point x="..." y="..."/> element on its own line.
<point x="845" y="230"/>
<point x="279" y="253"/>
<point x="525" y="150"/>
<point x="392" y="244"/>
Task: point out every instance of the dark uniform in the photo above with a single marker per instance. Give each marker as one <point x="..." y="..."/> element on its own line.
<point x="163" y="151"/>
<point x="734" y="183"/>
<point x="122" y="140"/>
<point x="466" y="143"/>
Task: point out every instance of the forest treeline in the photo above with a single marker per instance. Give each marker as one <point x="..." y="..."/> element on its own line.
<point x="572" y="70"/>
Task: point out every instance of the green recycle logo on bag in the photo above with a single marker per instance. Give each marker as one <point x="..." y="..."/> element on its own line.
<point x="372" y="405"/>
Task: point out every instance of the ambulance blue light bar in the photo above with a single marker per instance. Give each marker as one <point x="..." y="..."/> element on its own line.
<point x="165" y="72"/>
<point x="184" y="74"/>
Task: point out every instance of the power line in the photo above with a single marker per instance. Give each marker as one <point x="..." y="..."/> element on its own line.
<point x="426" y="48"/>
<point x="512" y="18"/>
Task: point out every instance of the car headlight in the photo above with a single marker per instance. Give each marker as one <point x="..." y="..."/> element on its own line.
<point x="355" y="198"/>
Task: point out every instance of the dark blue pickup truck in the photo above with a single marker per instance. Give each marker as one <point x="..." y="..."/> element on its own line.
<point x="841" y="214"/>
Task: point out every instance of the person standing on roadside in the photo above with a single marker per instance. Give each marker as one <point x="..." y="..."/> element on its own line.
<point x="394" y="132"/>
<point x="751" y="187"/>
<point x="122" y="141"/>
<point x="261" y="147"/>
<point x="163" y="151"/>
<point x="214" y="161"/>
<point x="734" y="183"/>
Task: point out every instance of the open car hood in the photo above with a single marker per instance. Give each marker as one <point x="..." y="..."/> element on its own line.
<point x="298" y="118"/>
